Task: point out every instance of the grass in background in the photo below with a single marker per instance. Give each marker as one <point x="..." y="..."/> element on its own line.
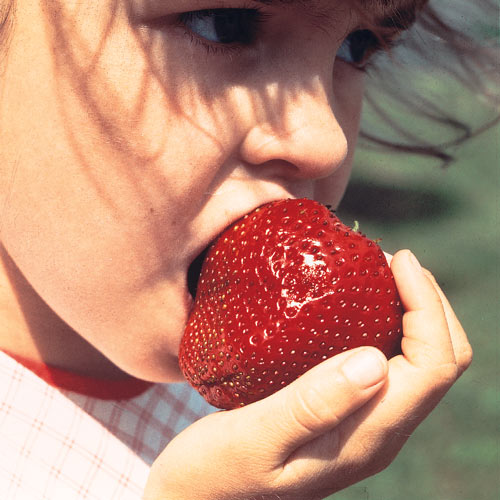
<point x="451" y="220"/>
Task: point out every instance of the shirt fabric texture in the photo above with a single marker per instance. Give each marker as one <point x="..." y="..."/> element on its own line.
<point x="57" y="444"/>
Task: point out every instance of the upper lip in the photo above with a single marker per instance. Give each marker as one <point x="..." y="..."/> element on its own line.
<point x="201" y="247"/>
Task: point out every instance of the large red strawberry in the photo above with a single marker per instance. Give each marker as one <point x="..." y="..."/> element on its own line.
<point x="282" y="289"/>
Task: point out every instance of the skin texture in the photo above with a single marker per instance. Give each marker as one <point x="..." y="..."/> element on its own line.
<point x="104" y="202"/>
<point x="126" y="147"/>
<point x="342" y="421"/>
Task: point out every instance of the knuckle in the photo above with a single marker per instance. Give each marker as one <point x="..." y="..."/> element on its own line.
<point x="437" y="379"/>
<point x="446" y="375"/>
<point x="379" y="463"/>
<point x="426" y="355"/>
<point x="465" y="357"/>
<point x="312" y="411"/>
<point x="430" y="276"/>
<point x="428" y="273"/>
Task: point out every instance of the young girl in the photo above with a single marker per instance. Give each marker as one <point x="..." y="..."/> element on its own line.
<point x="132" y="133"/>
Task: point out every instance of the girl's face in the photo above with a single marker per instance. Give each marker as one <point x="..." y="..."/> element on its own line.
<point x="134" y="131"/>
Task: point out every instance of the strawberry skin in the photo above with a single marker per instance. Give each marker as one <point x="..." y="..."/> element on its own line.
<point x="282" y="289"/>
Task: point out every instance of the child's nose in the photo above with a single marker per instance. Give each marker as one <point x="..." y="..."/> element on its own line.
<point x="300" y="133"/>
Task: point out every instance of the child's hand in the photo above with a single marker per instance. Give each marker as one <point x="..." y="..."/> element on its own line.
<point x="342" y="421"/>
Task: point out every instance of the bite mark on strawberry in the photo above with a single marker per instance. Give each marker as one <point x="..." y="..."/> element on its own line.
<point x="282" y="289"/>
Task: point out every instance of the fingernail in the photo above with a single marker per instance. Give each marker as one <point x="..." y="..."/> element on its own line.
<point x="365" y="368"/>
<point x="415" y="263"/>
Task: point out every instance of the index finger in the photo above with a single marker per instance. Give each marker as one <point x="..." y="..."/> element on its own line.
<point x="426" y="340"/>
<point x="461" y="345"/>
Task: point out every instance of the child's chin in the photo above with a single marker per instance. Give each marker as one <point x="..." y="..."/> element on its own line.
<point x="153" y="360"/>
<point x="160" y="371"/>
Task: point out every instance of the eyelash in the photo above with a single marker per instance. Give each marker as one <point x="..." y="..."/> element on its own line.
<point x="211" y="48"/>
<point x="258" y="19"/>
<point x="376" y="45"/>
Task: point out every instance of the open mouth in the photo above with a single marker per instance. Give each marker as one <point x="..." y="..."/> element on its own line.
<point x="194" y="271"/>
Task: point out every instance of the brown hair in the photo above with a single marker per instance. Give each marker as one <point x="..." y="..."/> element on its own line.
<point x="450" y="42"/>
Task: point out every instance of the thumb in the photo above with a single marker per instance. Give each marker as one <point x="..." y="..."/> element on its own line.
<point x="318" y="400"/>
<point x="250" y="442"/>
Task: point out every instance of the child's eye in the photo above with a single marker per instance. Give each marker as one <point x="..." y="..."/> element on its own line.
<point x="357" y="48"/>
<point x="223" y="26"/>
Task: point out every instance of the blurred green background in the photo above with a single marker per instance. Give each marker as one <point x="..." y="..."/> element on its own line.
<point x="450" y="218"/>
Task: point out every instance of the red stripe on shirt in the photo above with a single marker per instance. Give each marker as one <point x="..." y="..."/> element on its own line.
<point x="83" y="384"/>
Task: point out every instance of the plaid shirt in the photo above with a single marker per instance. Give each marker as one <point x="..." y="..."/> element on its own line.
<point x="57" y="444"/>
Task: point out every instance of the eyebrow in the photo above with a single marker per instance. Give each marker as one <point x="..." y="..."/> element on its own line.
<point x="284" y="2"/>
<point x="400" y="19"/>
<point x="276" y="1"/>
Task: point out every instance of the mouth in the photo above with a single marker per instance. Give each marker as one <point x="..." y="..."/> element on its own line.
<point x="196" y="266"/>
<point x="194" y="271"/>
